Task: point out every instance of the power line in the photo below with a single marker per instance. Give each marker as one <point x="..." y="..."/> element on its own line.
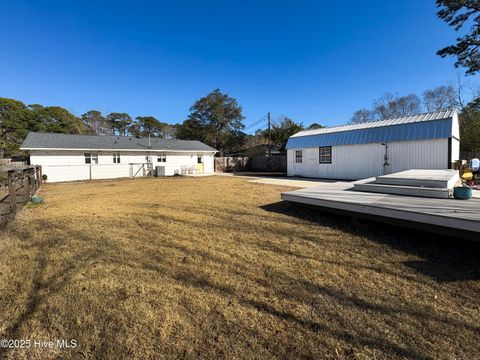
<point x="263" y="119"/>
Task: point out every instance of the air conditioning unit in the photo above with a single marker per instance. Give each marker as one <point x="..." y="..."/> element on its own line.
<point x="159" y="170"/>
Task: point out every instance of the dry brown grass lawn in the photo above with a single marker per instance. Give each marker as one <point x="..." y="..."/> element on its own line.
<point x="217" y="268"/>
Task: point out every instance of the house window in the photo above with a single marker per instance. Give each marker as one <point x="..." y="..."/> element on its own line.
<point x="162" y="158"/>
<point x="298" y="156"/>
<point x="325" y="155"/>
<point x="116" y="158"/>
<point x="199" y="160"/>
<point x="91" y="158"/>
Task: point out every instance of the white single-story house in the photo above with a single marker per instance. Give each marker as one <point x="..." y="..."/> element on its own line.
<point x="66" y="157"/>
<point x="358" y="151"/>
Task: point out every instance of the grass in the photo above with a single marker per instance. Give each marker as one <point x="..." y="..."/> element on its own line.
<point x="219" y="268"/>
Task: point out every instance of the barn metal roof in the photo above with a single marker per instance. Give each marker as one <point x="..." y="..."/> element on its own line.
<point x="431" y="125"/>
<point x="52" y="141"/>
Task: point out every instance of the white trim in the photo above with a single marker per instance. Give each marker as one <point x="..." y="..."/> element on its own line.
<point x="117" y="150"/>
<point x="298" y="151"/>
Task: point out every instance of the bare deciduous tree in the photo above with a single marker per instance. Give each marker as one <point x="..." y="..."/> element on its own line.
<point x="440" y="98"/>
<point x="361" y="116"/>
<point x="391" y="105"/>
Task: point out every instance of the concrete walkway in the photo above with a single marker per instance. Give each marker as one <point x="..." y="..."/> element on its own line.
<point x="281" y="180"/>
<point x="198" y="175"/>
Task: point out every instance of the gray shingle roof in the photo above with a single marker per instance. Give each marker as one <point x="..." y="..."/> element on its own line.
<point x="92" y="142"/>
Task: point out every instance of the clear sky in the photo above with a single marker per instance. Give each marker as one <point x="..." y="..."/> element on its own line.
<point x="314" y="61"/>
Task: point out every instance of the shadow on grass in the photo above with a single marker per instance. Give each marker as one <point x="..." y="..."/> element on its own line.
<point x="185" y="274"/>
<point x="364" y="340"/>
<point x="45" y="283"/>
<point x="201" y="282"/>
<point x="444" y="258"/>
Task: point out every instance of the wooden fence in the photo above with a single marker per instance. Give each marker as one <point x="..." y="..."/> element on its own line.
<point x="18" y="184"/>
<point x="467" y="155"/>
<point x="274" y="163"/>
<point x="232" y="163"/>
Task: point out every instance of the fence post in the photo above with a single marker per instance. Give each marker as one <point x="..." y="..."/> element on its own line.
<point x="26" y="185"/>
<point x="12" y="195"/>
<point x="32" y="181"/>
<point x="38" y="177"/>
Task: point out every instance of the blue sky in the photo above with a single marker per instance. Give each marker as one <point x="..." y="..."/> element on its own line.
<point x="314" y="61"/>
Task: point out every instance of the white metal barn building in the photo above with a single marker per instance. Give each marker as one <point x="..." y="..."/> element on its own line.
<point x="358" y="151"/>
<point x="65" y="157"/>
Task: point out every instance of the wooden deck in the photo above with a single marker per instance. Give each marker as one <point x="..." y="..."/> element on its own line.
<point x="421" y="177"/>
<point x="459" y="218"/>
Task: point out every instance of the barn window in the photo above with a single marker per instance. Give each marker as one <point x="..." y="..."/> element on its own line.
<point x="298" y="156"/>
<point x="91" y="158"/>
<point x="325" y="155"/>
<point x="162" y="158"/>
<point x="116" y="158"/>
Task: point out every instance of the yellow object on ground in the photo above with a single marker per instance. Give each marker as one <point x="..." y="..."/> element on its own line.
<point x="467" y="175"/>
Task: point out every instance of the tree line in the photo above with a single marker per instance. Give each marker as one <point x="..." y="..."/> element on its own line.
<point x="444" y="97"/>
<point x="390" y="105"/>
<point x="18" y="119"/>
<point x="215" y="119"/>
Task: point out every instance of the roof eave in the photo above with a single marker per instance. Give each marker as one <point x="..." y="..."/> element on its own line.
<point x="97" y="149"/>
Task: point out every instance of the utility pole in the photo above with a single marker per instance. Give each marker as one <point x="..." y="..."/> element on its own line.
<point x="269" y="138"/>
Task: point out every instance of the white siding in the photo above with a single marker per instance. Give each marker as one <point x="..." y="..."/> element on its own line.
<point x="455" y="126"/>
<point x="56" y="158"/>
<point x="455" y="150"/>
<point x="455" y="138"/>
<point x="208" y="164"/>
<point x="425" y="154"/>
<point x="110" y="171"/>
<point x="70" y="165"/>
<point x="56" y="173"/>
<point x="366" y="160"/>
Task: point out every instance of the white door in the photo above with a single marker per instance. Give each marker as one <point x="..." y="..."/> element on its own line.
<point x="299" y="161"/>
<point x="311" y="163"/>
